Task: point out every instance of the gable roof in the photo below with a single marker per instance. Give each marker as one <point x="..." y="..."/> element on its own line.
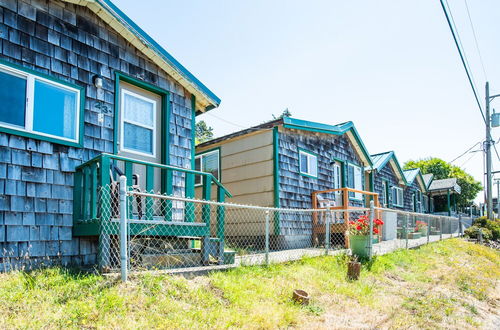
<point x="413" y="174"/>
<point x="346" y="128"/>
<point x="381" y="159"/>
<point x="428" y="179"/>
<point x="124" y="26"/>
<point x="445" y="184"/>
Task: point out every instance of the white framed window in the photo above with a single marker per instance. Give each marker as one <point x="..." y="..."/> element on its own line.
<point x="337" y="177"/>
<point x="308" y="163"/>
<point x="355" y="180"/>
<point x="207" y="162"/>
<point x="40" y="106"/>
<point x="138" y="123"/>
<point x="397" y="196"/>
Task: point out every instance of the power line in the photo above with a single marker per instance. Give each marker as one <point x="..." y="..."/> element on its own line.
<point x="469" y="76"/>
<point x="224" y="120"/>
<point x="466" y="152"/>
<point x="475" y="40"/>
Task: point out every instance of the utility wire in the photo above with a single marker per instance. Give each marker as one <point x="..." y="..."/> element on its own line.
<point x="466" y="152"/>
<point x="462" y="58"/>
<point x="224" y="120"/>
<point x="475" y="40"/>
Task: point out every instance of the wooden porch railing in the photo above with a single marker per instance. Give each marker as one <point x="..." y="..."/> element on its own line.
<point x="93" y="180"/>
<point x="346" y="203"/>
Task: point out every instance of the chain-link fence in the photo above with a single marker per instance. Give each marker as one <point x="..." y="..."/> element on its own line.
<point x="147" y="231"/>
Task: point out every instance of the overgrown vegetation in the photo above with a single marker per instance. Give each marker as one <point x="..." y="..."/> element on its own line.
<point x="444" y="170"/>
<point x="452" y="283"/>
<point x="490" y="229"/>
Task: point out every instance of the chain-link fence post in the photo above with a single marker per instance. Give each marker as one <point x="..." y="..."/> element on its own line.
<point x="327" y="229"/>
<point x="372" y="216"/>
<point x="460" y="233"/>
<point x="440" y="228"/>
<point x="123" y="227"/>
<point x="480" y="235"/>
<point x="428" y="229"/>
<point x="407" y="218"/>
<point x="267" y="239"/>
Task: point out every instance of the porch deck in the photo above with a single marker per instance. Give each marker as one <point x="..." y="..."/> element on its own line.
<point x="96" y="203"/>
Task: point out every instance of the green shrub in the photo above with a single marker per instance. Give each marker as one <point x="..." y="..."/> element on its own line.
<point x="480" y="222"/>
<point x="473" y="232"/>
<point x="494" y="227"/>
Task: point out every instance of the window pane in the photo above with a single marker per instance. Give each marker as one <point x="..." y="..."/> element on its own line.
<point x="313" y="165"/>
<point x="197" y="167"/>
<point x="303" y="163"/>
<point x="12" y="99"/>
<point x="138" y="110"/>
<point x="211" y="164"/>
<point x="138" y="138"/>
<point x="55" y="110"/>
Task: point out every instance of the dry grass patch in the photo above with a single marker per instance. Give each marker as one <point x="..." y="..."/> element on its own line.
<point x="450" y="284"/>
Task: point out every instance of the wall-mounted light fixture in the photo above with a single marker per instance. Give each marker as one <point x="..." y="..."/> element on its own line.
<point x="97" y="80"/>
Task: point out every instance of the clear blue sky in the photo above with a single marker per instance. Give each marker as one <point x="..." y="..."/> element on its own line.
<point x="389" y="66"/>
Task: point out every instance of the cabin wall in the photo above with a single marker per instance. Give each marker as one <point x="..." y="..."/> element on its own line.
<point x="296" y="189"/>
<point x="385" y="174"/>
<point x="247" y="173"/>
<point x="70" y="43"/>
<point x="408" y="198"/>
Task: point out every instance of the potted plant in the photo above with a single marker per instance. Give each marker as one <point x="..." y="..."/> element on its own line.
<point x="359" y="234"/>
<point x="421" y="227"/>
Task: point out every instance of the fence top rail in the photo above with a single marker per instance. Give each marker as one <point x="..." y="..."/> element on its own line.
<point x="369" y="193"/>
<point x="160" y="166"/>
<point x="415" y="213"/>
<point x="241" y="206"/>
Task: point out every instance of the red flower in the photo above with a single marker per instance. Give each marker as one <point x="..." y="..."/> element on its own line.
<point x="358" y="228"/>
<point x="375" y="230"/>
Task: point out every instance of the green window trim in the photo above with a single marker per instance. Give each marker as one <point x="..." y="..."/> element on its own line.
<point x="308" y="154"/>
<point x="33" y="76"/>
<point x="352" y="196"/>
<point x="201" y="154"/>
<point x="394" y="203"/>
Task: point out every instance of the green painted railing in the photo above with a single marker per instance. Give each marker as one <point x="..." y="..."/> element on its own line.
<point x="93" y="179"/>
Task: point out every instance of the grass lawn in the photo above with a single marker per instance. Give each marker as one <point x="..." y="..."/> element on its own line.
<point x="452" y="284"/>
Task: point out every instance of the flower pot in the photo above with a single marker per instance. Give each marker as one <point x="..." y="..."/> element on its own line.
<point x="359" y="245"/>
<point x="423" y="231"/>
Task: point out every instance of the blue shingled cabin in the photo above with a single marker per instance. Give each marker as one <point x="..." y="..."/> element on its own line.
<point x="415" y="194"/>
<point x="388" y="180"/>
<point x="289" y="163"/>
<point x="86" y="95"/>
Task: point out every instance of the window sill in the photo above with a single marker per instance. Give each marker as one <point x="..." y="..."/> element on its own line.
<point x="308" y="175"/>
<point x="40" y="137"/>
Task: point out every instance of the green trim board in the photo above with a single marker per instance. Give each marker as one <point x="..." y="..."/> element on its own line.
<point x="52" y="139"/>
<point x="339" y="129"/>
<point x="190" y="179"/>
<point x="166" y="179"/>
<point x="276" y="180"/>
<point x="381" y="159"/>
<point x="127" y="28"/>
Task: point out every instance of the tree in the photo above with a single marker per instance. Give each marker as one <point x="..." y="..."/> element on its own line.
<point x="444" y="170"/>
<point x="203" y="132"/>
<point x="285" y="113"/>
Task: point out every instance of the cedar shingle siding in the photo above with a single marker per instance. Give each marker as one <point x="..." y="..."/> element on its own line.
<point x="70" y="43"/>
<point x="295" y="189"/>
<point x="385" y="174"/>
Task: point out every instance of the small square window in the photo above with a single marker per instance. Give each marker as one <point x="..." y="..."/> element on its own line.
<point x="209" y="163"/>
<point x="308" y="163"/>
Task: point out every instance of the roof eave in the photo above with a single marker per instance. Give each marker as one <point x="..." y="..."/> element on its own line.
<point x="205" y="98"/>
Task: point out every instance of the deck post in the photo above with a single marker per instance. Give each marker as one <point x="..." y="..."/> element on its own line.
<point x="123" y="228"/>
<point x="267" y="239"/>
<point x="370" y="241"/>
<point x="327" y="228"/>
